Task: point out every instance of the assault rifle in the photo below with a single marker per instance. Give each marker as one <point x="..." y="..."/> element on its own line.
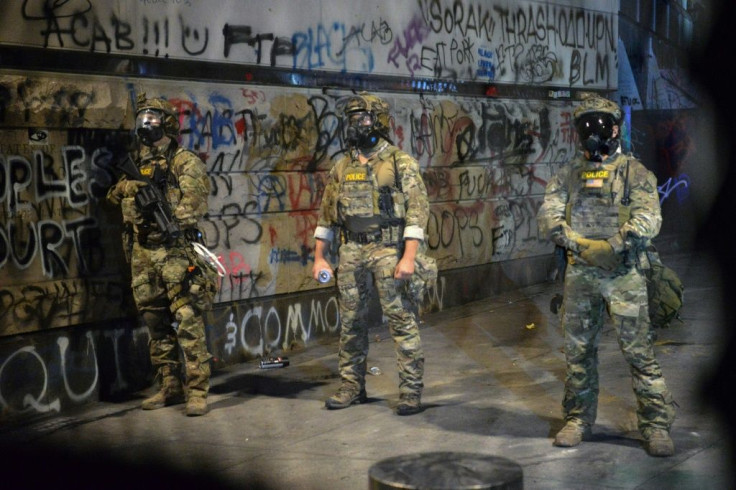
<point x="151" y="201"/>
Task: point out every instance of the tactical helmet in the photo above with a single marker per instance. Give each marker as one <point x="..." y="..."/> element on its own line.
<point x="592" y="102"/>
<point x="366" y="120"/>
<point x="170" y="122"/>
<point x="595" y="119"/>
<point x="369" y="103"/>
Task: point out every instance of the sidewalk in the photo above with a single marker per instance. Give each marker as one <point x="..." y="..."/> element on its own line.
<point x="494" y="380"/>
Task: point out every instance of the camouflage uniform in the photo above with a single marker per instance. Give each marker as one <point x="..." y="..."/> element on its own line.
<point x="371" y="247"/>
<point x="615" y="200"/>
<point x="160" y="269"/>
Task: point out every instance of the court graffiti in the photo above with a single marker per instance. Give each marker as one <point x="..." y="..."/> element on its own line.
<point x="46" y="212"/>
<point x="58" y="266"/>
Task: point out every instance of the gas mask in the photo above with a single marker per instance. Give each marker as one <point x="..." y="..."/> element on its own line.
<point x="148" y="126"/>
<point x="596" y="134"/>
<point x="361" y="132"/>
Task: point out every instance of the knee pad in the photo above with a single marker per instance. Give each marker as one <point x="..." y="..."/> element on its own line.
<point x="184" y="313"/>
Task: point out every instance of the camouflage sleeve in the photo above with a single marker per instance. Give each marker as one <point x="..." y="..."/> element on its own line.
<point x="417" y="202"/>
<point x="327" y="217"/>
<point x="645" y="217"/>
<point x="551" y="218"/>
<point x="194" y="185"/>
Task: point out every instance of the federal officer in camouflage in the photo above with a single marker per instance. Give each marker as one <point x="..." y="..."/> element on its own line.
<point x="603" y="208"/>
<point x="375" y="206"/>
<point x="164" y="267"/>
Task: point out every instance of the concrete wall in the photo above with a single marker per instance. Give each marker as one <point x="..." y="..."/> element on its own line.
<point x="481" y="94"/>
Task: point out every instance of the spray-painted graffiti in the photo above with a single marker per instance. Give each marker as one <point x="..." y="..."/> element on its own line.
<point x="680" y="185"/>
<point x="521" y="42"/>
<point x="29" y="361"/>
<point x="471" y="151"/>
<point x="58" y="267"/>
<point x="267" y="155"/>
<point x="55" y="372"/>
<point x="260" y="332"/>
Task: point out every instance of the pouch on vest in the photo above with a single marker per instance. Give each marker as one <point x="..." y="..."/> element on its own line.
<point x="424" y="277"/>
<point x="203" y="280"/>
<point x="665" y="291"/>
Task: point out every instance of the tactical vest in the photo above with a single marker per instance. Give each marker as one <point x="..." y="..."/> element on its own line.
<point x="158" y="169"/>
<point x="369" y="198"/>
<point x="595" y="209"/>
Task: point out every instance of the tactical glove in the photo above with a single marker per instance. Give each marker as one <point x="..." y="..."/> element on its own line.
<point x="599" y="253"/>
<point x="124" y="188"/>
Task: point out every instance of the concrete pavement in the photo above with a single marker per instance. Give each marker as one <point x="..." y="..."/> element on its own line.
<point x="494" y="380"/>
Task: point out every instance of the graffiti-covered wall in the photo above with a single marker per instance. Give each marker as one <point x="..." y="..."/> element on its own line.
<point x="485" y="157"/>
<point x="570" y="43"/>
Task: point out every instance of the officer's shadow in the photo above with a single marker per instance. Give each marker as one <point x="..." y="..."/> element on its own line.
<point x="458" y="415"/>
<point x="261" y="384"/>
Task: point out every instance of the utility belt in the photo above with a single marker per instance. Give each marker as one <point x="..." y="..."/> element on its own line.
<point x="388" y="235"/>
<point x="150" y="236"/>
<point x="631" y="258"/>
<point x="362" y="238"/>
<point x="574" y="259"/>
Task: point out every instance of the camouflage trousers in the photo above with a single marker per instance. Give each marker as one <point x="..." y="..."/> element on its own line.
<point x="157" y="277"/>
<point x="589" y="292"/>
<point x="369" y="269"/>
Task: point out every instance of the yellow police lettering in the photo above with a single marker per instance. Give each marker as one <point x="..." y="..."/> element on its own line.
<point x="355" y="176"/>
<point x="594" y="174"/>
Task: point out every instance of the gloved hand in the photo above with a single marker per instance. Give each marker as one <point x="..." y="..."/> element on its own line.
<point x="599" y="253"/>
<point x="124" y="188"/>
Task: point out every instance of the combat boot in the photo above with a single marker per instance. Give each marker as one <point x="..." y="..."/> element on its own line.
<point x="196" y="406"/>
<point x="409" y="404"/>
<point x="658" y="443"/>
<point x="345" y="397"/>
<point x="572" y="434"/>
<point x="170" y="393"/>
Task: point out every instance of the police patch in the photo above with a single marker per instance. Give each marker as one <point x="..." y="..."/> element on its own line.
<point x="594" y="174"/>
<point x="594" y="178"/>
<point x="357" y="176"/>
<point x="148" y="171"/>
